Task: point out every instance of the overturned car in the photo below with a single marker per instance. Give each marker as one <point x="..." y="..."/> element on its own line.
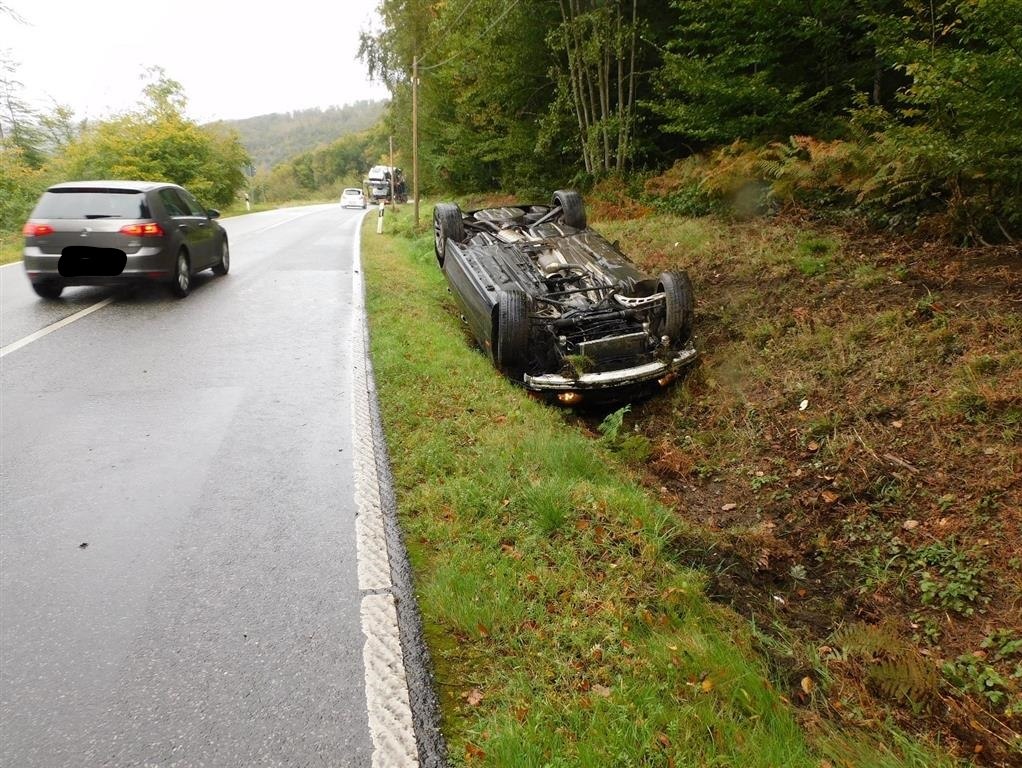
<point x="560" y="309"/>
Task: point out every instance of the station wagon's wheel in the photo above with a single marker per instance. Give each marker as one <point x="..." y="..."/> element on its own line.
<point x="447" y="223"/>
<point x="573" y="212"/>
<point x="224" y="265"/>
<point x="511" y="335"/>
<point x="680" y="310"/>
<point x="182" y="275"/>
<point x="48" y="289"/>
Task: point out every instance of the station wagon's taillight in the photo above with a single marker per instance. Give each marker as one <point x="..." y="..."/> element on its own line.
<point x="152" y="229"/>
<point x="34" y="229"/>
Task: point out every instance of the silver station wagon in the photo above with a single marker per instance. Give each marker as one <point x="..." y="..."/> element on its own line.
<point x="115" y="232"/>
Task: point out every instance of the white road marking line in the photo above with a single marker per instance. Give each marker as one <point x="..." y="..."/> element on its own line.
<point x="390" y="719"/>
<point x="16" y="345"/>
<point x="387" y="699"/>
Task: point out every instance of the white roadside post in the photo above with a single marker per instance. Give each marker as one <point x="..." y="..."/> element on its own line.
<point x="379" y="220"/>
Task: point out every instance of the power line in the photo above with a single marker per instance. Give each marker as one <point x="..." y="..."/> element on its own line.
<point x="450" y="26"/>
<point x="496" y="21"/>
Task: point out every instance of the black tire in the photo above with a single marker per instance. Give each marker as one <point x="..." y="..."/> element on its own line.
<point x="182" y="282"/>
<point x="680" y="311"/>
<point x="511" y="336"/>
<point x="48" y="289"/>
<point x="573" y="212"/>
<point x="224" y="265"/>
<point x="447" y="224"/>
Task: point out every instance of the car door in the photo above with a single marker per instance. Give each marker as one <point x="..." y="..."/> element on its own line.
<point x="205" y="231"/>
<point x="186" y="225"/>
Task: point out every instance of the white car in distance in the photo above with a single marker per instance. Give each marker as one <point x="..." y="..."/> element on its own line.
<point x="352" y="197"/>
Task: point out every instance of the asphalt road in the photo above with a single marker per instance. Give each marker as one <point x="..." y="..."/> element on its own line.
<point x="178" y="582"/>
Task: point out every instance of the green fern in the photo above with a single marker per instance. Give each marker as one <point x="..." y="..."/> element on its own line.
<point x="892" y="667"/>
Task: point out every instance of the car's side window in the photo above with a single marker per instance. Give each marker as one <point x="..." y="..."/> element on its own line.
<point x="173" y="203"/>
<point x="192" y="203"/>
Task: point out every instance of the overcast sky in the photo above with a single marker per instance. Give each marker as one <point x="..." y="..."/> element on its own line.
<point x="234" y="59"/>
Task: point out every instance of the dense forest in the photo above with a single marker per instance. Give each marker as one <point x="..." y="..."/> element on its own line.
<point x="904" y="111"/>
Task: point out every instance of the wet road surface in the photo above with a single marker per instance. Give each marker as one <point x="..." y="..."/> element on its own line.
<point x="178" y="581"/>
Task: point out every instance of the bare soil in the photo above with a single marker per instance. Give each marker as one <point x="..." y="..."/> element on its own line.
<point x="846" y="464"/>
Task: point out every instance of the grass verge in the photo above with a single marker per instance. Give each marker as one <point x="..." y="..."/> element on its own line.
<point x="564" y="626"/>
<point x="10" y="247"/>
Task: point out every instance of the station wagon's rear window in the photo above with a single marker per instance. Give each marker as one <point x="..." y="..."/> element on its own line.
<point x="91" y="203"/>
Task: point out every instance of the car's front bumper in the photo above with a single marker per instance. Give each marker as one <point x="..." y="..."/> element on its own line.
<point x="607" y="380"/>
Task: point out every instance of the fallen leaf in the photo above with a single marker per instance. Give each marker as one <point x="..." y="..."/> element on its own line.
<point x="483" y="631"/>
<point x="602" y="690"/>
<point x="728" y="507"/>
<point x="707" y="685"/>
<point x="803" y="405"/>
<point x="908" y="525"/>
<point x="472" y="752"/>
<point x="473" y="697"/>
<point x="807" y="684"/>
<point x="829" y="497"/>
<point x="813" y="445"/>
<point x="897" y="424"/>
<point x="521" y="713"/>
<point x="662" y="738"/>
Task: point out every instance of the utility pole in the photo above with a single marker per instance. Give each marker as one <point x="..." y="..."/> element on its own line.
<point x="393" y="197"/>
<point x="415" y="137"/>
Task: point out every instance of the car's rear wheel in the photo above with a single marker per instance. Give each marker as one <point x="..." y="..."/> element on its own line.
<point x="182" y="282"/>
<point x="447" y="224"/>
<point x="48" y="289"/>
<point x="680" y="311"/>
<point x="511" y="336"/>
<point x="573" y="212"/>
<point x="224" y="265"/>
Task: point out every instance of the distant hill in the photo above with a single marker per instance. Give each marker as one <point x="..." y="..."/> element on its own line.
<point x="270" y="139"/>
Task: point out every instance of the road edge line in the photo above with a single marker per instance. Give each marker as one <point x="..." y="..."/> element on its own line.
<point x="400" y="690"/>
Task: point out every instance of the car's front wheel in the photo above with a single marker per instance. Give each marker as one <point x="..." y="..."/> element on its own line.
<point x="447" y="224"/>
<point x="182" y="282"/>
<point x="224" y="265"/>
<point x="511" y="336"/>
<point x="573" y="212"/>
<point x="48" y="289"/>
<point x="680" y="309"/>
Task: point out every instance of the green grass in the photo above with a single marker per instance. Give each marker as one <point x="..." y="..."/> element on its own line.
<point x="10" y="247"/>
<point x="546" y="576"/>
